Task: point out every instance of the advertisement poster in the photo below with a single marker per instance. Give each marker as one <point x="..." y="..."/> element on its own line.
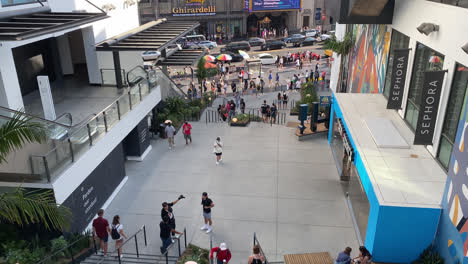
<point x="265" y="5"/>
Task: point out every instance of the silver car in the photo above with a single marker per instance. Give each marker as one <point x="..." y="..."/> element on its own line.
<point x="207" y="44"/>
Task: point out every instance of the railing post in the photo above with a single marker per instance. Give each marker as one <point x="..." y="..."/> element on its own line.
<point x="46" y="168"/>
<point x="144" y="235"/>
<point x="185" y="238"/>
<point x="136" y="246"/>
<point x="105" y="120"/>
<point x="130" y="100"/>
<point x="89" y="135"/>
<point x="139" y="91"/>
<point x="118" y="108"/>
<point x="254" y="239"/>
<point x="118" y="256"/>
<point x="167" y="259"/>
<point x="178" y="244"/>
<point x="71" y="150"/>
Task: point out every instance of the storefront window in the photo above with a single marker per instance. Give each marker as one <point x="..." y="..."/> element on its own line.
<point x="399" y="41"/>
<point x="452" y="114"/>
<point x="425" y="59"/>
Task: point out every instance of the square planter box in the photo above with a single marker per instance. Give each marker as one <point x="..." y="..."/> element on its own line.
<point x="239" y="124"/>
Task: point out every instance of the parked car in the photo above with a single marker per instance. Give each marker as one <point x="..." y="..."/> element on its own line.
<point x="266" y="58"/>
<point x="327" y="36"/>
<point x="235" y="46"/>
<point x="150" y="55"/>
<point x="207" y="44"/>
<point x="294" y="37"/>
<point x="256" y="42"/>
<point x="311" y="33"/>
<point x="309" y="41"/>
<point x="275" y="44"/>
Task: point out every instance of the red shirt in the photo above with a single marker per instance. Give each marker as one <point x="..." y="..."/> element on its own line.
<point x="101" y="224"/>
<point x="187" y="127"/>
<point x="221" y="254"/>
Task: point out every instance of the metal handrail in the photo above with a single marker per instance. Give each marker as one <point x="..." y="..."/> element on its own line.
<point x="69" y="248"/>
<point x="166" y="254"/>
<point x="36" y="117"/>
<point x="142" y="229"/>
<point x="255" y="242"/>
<point x="172" y="81"/>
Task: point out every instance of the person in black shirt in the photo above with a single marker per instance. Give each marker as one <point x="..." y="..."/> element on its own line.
<point x="207" y="204"/>
<point x="167" y="211"/>
<point x="273" y="111"/>
<point x="242" y="106"/>
<point x="165" y="233"/>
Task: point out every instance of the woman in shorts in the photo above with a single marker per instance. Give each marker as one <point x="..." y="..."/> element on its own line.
<point x="218" y="150"/>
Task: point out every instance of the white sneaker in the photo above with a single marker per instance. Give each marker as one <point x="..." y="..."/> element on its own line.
<point x="205" y="227"/>
<point x="170" y="148"/>
<point x="217" y="163"/>
<point x="220" y="160"/>
<point x="209" y="230"/>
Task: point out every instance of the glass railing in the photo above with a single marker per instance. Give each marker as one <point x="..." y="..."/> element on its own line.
<point x="68" y="150"/>
<point x="108" y="77"/>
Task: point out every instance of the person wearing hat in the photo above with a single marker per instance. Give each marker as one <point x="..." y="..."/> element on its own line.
<point x="223" y="255"/>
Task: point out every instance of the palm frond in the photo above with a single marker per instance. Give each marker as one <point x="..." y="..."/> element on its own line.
<point x="23" y="207"/>
<point x="18" y="131"/>
<point x="340" y="47"/>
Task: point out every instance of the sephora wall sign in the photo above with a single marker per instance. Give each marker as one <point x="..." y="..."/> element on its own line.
<point x="429" y="106"/>
<point x="397" y="85"/>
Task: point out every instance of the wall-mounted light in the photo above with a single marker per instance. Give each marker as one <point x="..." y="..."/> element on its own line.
<point x="465" y="48"/>
<point x="427" y="28"/>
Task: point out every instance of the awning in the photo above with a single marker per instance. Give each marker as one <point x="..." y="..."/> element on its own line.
<point x="37" y="24"/>
<point x="155" y="35"/>
<point x="183" y="58"/>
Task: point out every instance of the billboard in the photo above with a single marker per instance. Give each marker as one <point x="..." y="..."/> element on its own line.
<point x="266" y="5"/>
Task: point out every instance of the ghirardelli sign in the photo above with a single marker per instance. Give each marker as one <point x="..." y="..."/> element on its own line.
<point x="194" y="8"/>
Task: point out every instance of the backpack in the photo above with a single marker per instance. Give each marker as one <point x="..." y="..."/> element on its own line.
<point x="256" y="261"/>
<point x="227" y="253"/>
<point x="114" y="233"/>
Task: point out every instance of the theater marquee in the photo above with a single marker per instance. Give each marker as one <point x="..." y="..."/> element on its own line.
<point x="193" y="8"/>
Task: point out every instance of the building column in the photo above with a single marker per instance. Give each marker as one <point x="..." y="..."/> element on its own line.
<point x="65" y="54"/>
<point x="91" y="55"/>
<point x="10" y="90"/>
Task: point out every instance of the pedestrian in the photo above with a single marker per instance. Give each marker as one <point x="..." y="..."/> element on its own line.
<point x="364" y="256"/>
<point x="262" y="85"/>
<point x="316" y="67"/>
<point x="257" y="257"/>
<point x="316" y="75"/>
<point x="218" y="87"/>
<point x="238" y="98"/>
<point x="232" y="109"/>
<point x="298" y="64"/>
<point x="207" y="204"/>
<point x="270" y="79"/>
<point x="344" y="257"/>
<point x="242" y="106"/>
<point x="277" y="79"/>
<point x="281" y="62"/>
<point x="170" y="132"/>
<point x="233" y="87"/>
<point x="218" y="150"/>
<point x="186" y="128"/>
<point x="169" y="212"/>
<point x="285" y="100"/>
<point x="268" y="113"/>
<point x="273" y="111"/>
<point x="101" y="230"/>
<point x="279" y="99"/>
<point x="264" y="110"/>
<point x="223" y="254"/>
<point x="301" y="63"/>
<point x="225" y="88"/>
<point x="165" y="233"/>
<point x="117" y="235"/>
<point x="241" y="74"/>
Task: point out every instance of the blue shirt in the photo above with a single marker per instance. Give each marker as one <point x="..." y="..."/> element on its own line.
<point x="343" y="258"/>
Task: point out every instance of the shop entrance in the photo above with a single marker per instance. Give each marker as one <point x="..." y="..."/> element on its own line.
<point x="350" y="180"/>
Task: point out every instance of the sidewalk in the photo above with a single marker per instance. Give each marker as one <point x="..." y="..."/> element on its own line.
<point x="287" y="191"/>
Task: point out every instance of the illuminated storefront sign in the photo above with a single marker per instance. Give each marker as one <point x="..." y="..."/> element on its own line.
<point x="194" y="8"/>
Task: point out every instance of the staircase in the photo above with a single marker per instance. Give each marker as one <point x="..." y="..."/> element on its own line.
<point x="131" y="258"/>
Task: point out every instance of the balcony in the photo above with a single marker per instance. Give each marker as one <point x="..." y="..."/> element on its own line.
<point x="68" y="142"/>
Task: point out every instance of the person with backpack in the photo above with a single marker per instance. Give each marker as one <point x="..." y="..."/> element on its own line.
<point x="165" y="233"/>
<point x="117" y="234"/>
<point x="223" y="254"/>
<point x="257" y="257"/>
<point x="264" y="110"/>
<point x="273" y="112"/>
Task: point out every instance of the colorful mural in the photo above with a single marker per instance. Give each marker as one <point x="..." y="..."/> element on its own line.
<point x="368" y="58"/>
<point x="451" y="239"/>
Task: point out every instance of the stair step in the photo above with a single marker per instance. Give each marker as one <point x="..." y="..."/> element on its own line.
<point x="130" y="258"/>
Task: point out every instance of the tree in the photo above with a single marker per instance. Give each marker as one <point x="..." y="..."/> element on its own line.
<point x="203" y="72"/>
<point x="342" y="48"/>
<point x="23" y="207"/>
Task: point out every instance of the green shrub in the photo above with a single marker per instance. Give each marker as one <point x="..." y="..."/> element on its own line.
<point x="21" y="252"/>
<point x="429" y="256"/>
<point x="308" y="96"/>
<point x="57" y="245"/>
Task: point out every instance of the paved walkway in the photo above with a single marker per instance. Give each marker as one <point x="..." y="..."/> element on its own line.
<point x="287" y="191"/>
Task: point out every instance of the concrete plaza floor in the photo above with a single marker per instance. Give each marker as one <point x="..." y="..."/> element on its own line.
<point x="286" y="191"/>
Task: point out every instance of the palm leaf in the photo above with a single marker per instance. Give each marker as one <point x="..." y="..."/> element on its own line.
<point x="23" y="207"/>
<point x="340" y="47"/>
<point x="18" y="131"/>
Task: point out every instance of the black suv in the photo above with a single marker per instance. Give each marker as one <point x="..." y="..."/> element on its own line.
<point x="275" y="44"/>
<point x="235" y="46"/>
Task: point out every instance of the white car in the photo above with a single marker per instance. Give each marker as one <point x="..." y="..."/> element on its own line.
<point x="327" y="36"/>
<point x="150" y="55"/>
<point x="311" y="33"/>
<point x="266" y="58"/>
<point x="207" y="44"/>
